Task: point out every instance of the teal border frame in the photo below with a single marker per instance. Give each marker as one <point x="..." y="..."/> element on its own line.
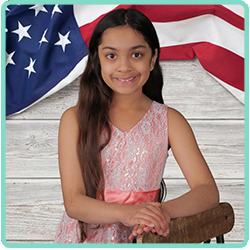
<point x="3" y="129"/>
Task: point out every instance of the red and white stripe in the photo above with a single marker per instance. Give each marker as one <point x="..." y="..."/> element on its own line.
<point x="213" y="33"/>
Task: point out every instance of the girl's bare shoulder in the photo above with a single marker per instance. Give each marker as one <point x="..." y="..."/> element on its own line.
<point x="70" y="113"/>
<point x="69" y="118"/>
<point x="178" y="124"/>
<point x="174" y="116"/>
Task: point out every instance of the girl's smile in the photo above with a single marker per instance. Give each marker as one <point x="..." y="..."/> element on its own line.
<point x="126" y="60"/>
<point x="129" y="80"/>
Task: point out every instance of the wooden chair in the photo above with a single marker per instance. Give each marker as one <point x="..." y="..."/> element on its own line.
<point x="198" y="228"/>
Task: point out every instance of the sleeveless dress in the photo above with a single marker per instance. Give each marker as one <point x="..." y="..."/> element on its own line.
<point x="133" y="164"/>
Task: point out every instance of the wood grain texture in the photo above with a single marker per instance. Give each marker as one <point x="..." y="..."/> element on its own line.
<point x="32" y="151"/>
<point x="197" y="228"/>
<point x="48" y="191"/>
<point x="189" y="89"/>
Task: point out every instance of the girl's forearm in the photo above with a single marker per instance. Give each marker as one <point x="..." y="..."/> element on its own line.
<point x="199" y="199"/>
<point x="91" y="210"/>
<point x="94" y="211"/>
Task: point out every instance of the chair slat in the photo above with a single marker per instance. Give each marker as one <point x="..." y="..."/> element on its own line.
<point x="197" y="228"/>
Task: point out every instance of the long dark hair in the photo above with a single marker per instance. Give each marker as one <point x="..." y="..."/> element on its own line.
<point x="95" y="98"/>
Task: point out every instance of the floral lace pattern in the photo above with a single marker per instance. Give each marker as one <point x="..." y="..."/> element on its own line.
<point x="133" y="161"/>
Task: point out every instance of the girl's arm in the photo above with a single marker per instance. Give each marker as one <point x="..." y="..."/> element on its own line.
<point x="204" y="194"/>
<point x="83" y="208"/>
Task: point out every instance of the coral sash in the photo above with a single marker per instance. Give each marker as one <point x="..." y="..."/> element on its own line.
<point x="130" y="197"/>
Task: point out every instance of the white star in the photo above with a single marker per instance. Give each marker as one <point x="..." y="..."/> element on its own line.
<point x="30" y="68"/>
<point x="9" y="58"/>
<point x="22" y="31"/>
<point x="38" y="8"/>
<point x="55" y="9"/>
<point x="43" y="39"/>
<point x="63" y="40"/>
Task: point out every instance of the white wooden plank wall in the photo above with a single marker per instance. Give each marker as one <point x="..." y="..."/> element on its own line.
<point x="34" y="204"/>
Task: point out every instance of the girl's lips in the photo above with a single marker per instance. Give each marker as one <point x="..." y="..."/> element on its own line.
<point x="126" y="80"/>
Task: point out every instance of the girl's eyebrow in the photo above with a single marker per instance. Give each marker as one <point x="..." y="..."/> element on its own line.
<point x="132" y="48"/>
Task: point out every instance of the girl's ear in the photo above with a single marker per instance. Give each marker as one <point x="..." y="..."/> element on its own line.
<point x="153" y="60"/>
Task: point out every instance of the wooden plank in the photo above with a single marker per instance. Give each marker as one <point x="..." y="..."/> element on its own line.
<point x="34" y="207"/>
<point x="33" y="192"/>
<point x="36" y="223"/>
<point x="30" y="242"/>
<point x="31" y="149"/>
<point x="222" y="145"/>
<point x="197" y="228"/>
<point x="187" y="87"/>
<point x="23" y="192"/>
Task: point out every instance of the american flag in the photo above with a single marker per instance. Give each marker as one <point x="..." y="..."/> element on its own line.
<point x="47" y="45"/>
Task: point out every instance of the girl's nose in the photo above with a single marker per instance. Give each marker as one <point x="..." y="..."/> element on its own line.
<point x="124" y="65"/>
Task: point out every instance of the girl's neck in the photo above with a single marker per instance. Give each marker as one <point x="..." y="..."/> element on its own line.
<point x="126" y="112"/>
<point x="127" y="102"/>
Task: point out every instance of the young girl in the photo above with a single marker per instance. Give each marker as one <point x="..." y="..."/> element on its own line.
<point x="114" y="144"/>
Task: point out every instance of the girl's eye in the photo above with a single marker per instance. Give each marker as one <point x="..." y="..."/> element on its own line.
<point x="137" y="55"/>
<point x="111" y="56"/>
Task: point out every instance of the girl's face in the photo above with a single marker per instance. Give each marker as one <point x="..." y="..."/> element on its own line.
<point x="126" y="60"/>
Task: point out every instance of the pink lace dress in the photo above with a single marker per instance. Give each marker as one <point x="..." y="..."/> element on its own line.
<point x="133" y="164"/>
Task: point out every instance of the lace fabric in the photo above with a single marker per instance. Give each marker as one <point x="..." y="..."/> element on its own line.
<point x="133" y="161"/>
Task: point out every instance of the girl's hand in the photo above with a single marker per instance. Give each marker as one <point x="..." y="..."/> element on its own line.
<point x="147" y="214"/>
<point x="139" y="229"/>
